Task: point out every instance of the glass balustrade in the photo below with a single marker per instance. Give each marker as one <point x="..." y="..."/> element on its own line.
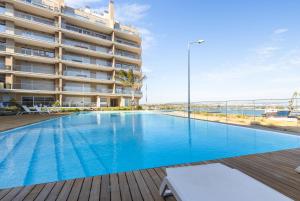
<point x="127" y="66"/>
<point x="35" y="68"/>
<point x="42" y="5"/>
<point x="87" y="75"/>
<point x="34" y="18"/>
<point x="70" y="12"/>
<point x="35" y="35"/>
<point x="87" y="46"/>
<point x="127" y="54"/>
<point x="86" y="31"/>
<point x="127" y="42"/>
<point x="34" y="86"/>
<point x="87" y="60"/>
<point x="34" y="52"/>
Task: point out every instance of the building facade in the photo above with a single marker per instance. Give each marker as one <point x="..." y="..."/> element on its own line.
<point x="52" y="53"/>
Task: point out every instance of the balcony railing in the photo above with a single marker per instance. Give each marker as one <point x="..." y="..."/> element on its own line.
<point x="90" y="76"/>
<point x="86" y="89"/>
<point x="127" y="42"/>
<point x="127" y="54"/>
<point x="42" y="5"/>
<point x="127" y="67"/>
<point x="35" y="69"/>
<point x="81" y="104"/>
<point x="127" y="91"/>
<point x="3" y="46"/>
<point x="71" y="13"/>
<point x="35" y="35"/>
<point x="87" y="46"/>
<point x="34" y="18"/>
<point x="87" y="60"/>
<point x="34" y="52"/>
<point x="34" y="86"/>
<point x="86" y="31"/>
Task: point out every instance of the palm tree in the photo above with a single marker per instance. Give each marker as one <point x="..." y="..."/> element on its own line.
<point x="129" y="79"/>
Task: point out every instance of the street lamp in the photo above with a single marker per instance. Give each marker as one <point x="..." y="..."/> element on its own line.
<point x="189" y="74"/>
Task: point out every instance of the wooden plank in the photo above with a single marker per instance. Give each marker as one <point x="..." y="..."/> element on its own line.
<point x="134" y="189"/>
<point x="13" y="193"/>
<point x="105" y="188"/>
<point x="54" y="193"/>
<point x="23" y="193"/>
<point x="124" y="187"/>
<point x="95" y="189"/>
<point x="115" y="193"/>
<point x="157" y="180"/>
<point x="35" y="192"/>
<point x="65" y="191"/>
<point x="75" y="191"/>
<point x="151" y="186"/>
<point x="45" y="192"/>
<point x="142" y="186"/>
<point x="4" y="192"/>
<point x="86" y="189"/>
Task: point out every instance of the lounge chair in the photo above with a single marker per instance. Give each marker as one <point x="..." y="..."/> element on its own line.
<point x="27" y="110"/>
<point x="215" y="182"/>
<point x="39" y="110"/>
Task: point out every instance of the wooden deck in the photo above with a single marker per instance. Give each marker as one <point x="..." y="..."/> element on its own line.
<point x="274" y="169"/>
<point x="10" y="122"/>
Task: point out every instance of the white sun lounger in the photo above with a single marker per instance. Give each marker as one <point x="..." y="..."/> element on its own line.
<point x="39" y="110"/>
<point x="216" y="182"/>
<point x="27" y="110"/>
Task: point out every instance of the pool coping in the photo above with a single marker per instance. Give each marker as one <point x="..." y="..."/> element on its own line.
<point x="239" y="125"/>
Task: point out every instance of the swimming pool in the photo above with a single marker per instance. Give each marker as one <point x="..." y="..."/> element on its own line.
<point x="95" y="143"/>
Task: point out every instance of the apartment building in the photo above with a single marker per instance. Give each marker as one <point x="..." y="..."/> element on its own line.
<point x="50" y="52"/>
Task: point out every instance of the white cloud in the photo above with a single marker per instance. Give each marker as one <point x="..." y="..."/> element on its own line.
<point x="131" y="13"/>
<point x="266" y="52"/>
<point x="81" y="3"/>
<point x="280" y="31"/>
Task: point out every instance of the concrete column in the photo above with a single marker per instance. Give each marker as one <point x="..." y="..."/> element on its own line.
<point x="9" y="81"/>
<point x="122" y="102"/>
<point x="9" y="9"/>
<point x="10" y="27"/>
<point x="98" y="101"/>
<point x="8" y="63"/>
<point x="60" y="69"/>
<point x="10" y="46"/>
<point x="60" y="99"/>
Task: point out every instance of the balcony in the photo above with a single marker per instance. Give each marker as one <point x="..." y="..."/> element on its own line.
<point x="30" y="34"/>
<point x="71" y="12"/>
<point x="123" y="66"/>
<point x="87" y="46"/>
<point x="86" y="32"/>
<point x="87" y="75"/>
<point x="86" y="89"/>
<point x="127" y="54"/>
<point x="40" y="4"/>
<point x="127" y="42"/>
<point x="34" y="18"/>
<point x="35" y="35"/>
<point x="127" y="91"/>
<point x="35" y="86"/>
<point x="36" y="68"/>
<point x="87" y="60"/>
<point x="34" y="52"/>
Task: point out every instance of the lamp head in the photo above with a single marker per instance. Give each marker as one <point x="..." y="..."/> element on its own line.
<point x="200" y="41"/>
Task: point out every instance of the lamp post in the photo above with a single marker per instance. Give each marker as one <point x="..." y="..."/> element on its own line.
<point x="189" y="73"/>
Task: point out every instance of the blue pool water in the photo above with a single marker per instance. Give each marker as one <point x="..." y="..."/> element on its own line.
<point x="88" y="144"/>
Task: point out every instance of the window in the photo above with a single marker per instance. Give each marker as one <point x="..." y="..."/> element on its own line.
<point x="37" y="100"/>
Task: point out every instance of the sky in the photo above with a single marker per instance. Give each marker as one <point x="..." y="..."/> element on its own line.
<point x="251" y="49"/>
